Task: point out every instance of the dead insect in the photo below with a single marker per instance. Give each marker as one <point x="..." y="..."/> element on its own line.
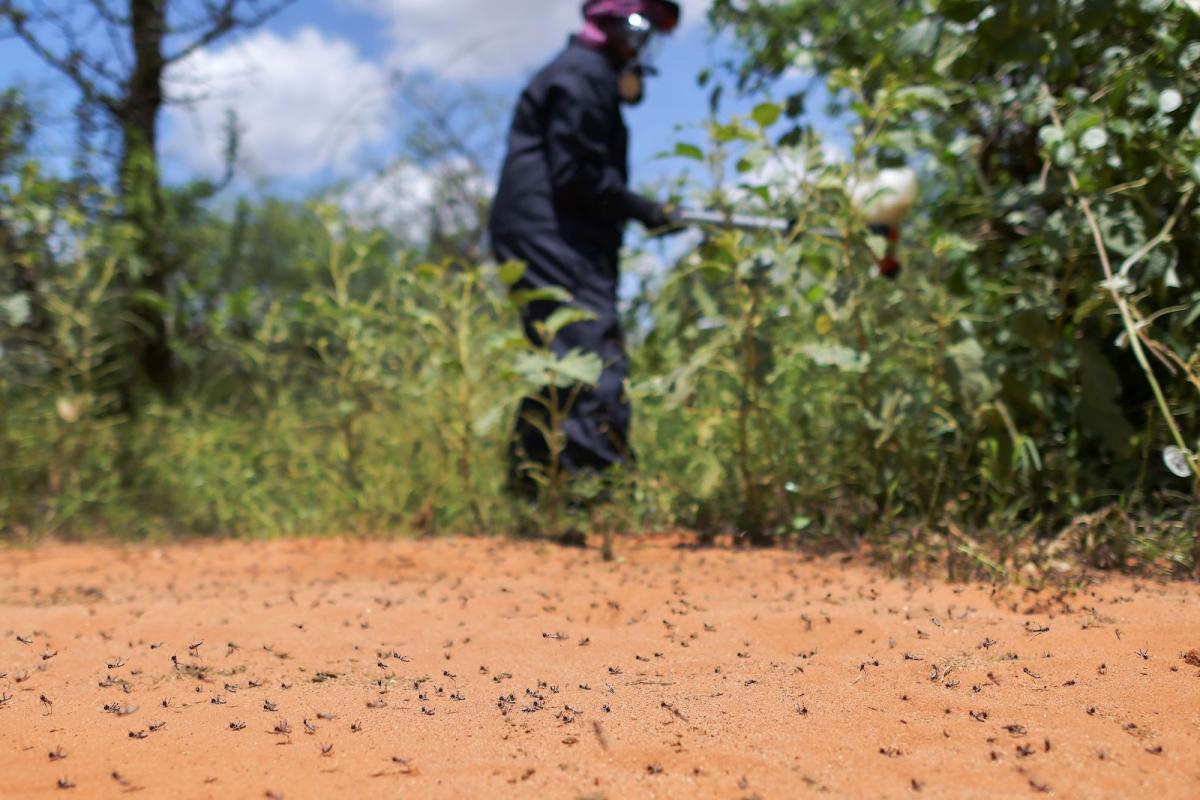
<point x="654" y="769"/>
<point x="237" y="726"/>
<point x="1143" y="654"/>
<point x="979" y="716"/>
<point x="121" y="779"/>
<point x="375" y="704"/>
<point x="309" y="728"/>
<point x="1016" y="730"/>
<point x="326" y="716"/>
<point x="283" y="728"/>
<point x="138" y="735"/>
<point x="117" y="664"/>
<point x="57" y="754"/>
<point x="66" y="783"/>
<point x="270" y="707"/>
<point x="356" y="727"/>
<point x="157" y="726"/>
<point x="1031" y="673"/>
<point x="218" y="700"/>
<point x="24" y="640"/>
<point x="675" y="712"/>
<point x="194" y="646"/>
<point x="5" y="699"/>
<point x="429" y="712"/>
<point x="48" y="703"/>
<point x="46" y="656"/>
<point x="1155" y="751"/>
<point x="326" y="749"/>
<point x="558" y="637"/>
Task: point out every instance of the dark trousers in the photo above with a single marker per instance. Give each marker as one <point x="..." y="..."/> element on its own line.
<point x="596" y="419"/>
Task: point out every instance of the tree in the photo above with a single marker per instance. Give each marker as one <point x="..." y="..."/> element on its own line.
<point x="1032" y="115"/>
<point x="116" y="57"/>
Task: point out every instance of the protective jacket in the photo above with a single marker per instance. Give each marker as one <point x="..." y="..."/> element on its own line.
<point x="565" y="177"/>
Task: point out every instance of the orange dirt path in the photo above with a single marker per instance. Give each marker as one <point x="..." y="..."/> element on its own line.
<point x="476" y="668"/>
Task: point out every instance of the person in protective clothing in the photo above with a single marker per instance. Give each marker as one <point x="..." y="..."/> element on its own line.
<point x="561" y="208"/>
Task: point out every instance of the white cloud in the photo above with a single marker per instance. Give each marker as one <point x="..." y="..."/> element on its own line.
<point x="304" y="104"/>
<point x="408" y="199"/>
<point x="484" y="39"/>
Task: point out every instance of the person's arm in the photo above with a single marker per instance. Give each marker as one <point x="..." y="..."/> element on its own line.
<point x="578" y="129"/>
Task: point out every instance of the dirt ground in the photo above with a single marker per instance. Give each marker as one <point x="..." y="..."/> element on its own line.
<point x="474" y="668"/>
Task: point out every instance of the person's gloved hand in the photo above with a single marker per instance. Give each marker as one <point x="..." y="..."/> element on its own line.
<point x="654" y="216"/>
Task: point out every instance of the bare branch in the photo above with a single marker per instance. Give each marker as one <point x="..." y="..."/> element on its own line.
<point x="74" y="64"/>
<point x="223" y="19"/>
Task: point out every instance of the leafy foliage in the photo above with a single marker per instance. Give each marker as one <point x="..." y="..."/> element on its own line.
<point x="1005" y="400"/>
<point x="970" y="90"/>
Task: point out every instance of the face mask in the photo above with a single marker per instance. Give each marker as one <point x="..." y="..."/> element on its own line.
<point x="630" y="85"/>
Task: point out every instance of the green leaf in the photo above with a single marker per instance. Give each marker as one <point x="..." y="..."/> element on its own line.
<point x="918" y="95"/>
<point x="14" y="310"/>
<point x="567" y="315"/>
<point x="553" y="294"/>
<point x="685" y="150"/>
<point x="1099" y="388"/>
<point x="766" y="114"/>
<point x="1094" y="139"/>
<point x="919" y="40"/>
<point x="832" y="355"/>
<point x="967" y="372"/>
<point x="1170" y="101"/>
<point x="578" y="367"/>
<point x="542" y="368"/>
<point x="511" y="272"/>
<point x="1050" y="135"/>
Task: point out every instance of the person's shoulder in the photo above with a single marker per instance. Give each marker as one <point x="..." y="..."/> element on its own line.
<point x="581" y="68"/>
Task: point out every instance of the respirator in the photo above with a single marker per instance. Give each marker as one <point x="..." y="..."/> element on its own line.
<point x="637" y="32"/>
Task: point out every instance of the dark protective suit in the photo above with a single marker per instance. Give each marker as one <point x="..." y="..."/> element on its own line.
<point x="561" y="208"/>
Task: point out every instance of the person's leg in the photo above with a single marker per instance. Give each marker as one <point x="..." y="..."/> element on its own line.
<point x="597" y="422"/>
<point x="595" y="419"/>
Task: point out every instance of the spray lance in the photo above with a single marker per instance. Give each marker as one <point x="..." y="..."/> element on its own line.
<point x="884" y="201"/>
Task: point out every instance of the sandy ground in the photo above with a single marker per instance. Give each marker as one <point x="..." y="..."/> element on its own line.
<point x="470" y="668"/>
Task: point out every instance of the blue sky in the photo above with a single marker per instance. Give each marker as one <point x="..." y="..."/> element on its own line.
<point x="312" y="89"/>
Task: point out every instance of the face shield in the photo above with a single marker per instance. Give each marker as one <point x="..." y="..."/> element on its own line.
<point x="639" y="34"/>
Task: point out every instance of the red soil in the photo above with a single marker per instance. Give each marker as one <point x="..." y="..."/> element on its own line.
<point x="471" y="668"/>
